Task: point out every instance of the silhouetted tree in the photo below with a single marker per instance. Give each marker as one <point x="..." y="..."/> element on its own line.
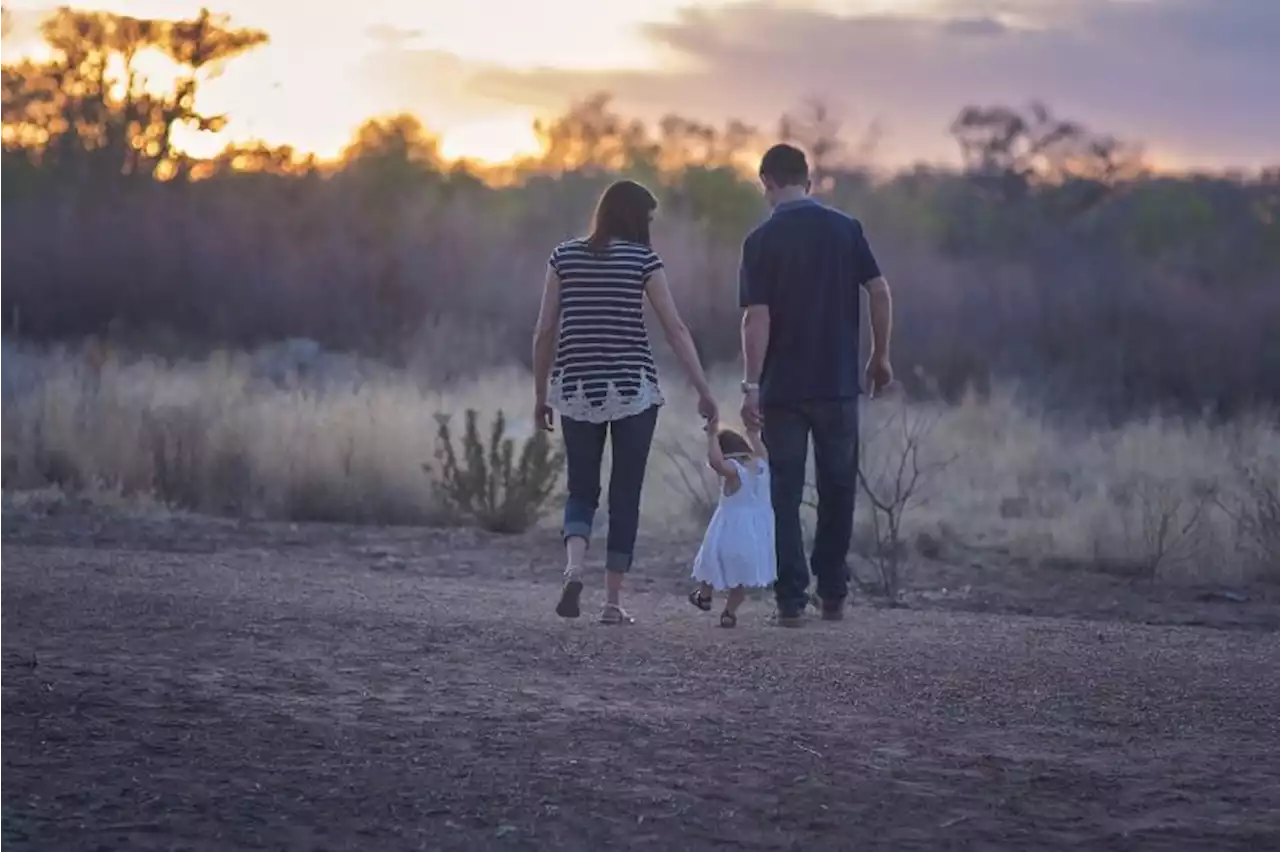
<point x="258" y="158"/>
<point x="392" y="157"/>
<point x="816" y="128"/>
<point x="397" y="139"/>
<point x="1010" y="152"/>
<point x="590" y="136"/>
<point x="684" y="143"/>
<point x="90" y="113"/>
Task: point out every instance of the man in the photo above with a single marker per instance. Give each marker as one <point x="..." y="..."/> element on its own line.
<point x="798" y="287"/>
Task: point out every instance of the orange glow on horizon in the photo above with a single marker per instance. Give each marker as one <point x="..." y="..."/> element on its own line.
<point x="311" y="86"/>
<point x="491" y="142"/>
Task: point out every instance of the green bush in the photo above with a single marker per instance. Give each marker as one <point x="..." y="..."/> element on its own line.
<point x="486" y="484"/>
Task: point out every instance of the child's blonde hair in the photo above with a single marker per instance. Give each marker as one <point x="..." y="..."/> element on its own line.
<point x="733" y="444"/>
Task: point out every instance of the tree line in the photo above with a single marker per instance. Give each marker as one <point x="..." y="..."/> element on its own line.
<point x="1052" y="256"/>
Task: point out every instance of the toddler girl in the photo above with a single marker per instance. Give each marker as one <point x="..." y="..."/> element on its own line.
<point x="737" y="552"/>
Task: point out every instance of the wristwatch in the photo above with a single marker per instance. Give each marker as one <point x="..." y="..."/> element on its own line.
<point x="750" y="387"/>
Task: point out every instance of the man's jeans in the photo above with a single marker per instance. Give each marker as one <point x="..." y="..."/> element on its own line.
<point x="584" y="451"/>
<point x="834" y="426"/>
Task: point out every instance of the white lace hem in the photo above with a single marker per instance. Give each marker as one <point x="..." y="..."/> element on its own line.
<point x="573" y="403"/>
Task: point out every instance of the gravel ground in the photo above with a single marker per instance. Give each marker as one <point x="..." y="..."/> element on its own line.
<point x="207" y="685"/>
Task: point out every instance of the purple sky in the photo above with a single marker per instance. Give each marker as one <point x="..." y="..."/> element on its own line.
<point x="1190" y="78"/>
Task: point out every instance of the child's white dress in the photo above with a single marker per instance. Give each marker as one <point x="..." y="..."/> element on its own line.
<point x="738" y="547"/>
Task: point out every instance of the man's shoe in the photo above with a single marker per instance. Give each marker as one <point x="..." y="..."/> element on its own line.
<point x="789" y="617"/>
<point x="831" y="610"/>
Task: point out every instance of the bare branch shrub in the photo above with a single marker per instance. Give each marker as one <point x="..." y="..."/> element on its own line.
<point x="1253" y="505"/>
<point x="896" y="476"/>
<point x="488" y="484"/>
<point x="1164" y="521"/>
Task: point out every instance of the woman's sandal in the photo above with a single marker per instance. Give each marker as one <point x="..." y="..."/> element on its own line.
<point x="568" y="606"/>
<point x="728" y="619"/>
<point x="614" y="614"/>
<point x="696" y="598"/>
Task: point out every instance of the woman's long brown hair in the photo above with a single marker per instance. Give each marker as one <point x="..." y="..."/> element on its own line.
<point x="622" y="214"/>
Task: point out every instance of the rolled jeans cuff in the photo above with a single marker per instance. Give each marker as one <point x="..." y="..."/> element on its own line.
<point x="577" y="529"/>
<point x="617" y="562"/>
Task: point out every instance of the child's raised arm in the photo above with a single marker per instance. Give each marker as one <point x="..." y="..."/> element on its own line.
<point x="715" y="457"/>
<point x="757" y="443"/>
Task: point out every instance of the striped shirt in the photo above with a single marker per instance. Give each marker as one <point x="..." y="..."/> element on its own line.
<point x="604" y="366"/>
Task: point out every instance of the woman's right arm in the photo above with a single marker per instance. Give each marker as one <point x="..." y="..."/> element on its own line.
<point x="544" y="335"/>
<point x="677" y="332"/>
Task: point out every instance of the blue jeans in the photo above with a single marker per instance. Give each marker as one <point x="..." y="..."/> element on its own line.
<point x="834" y="426"/>
<point x="584" y="451"/>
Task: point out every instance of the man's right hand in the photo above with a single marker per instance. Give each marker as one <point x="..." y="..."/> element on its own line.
<point x="879" y="374"/>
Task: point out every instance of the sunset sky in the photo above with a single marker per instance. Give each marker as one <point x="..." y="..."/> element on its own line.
<point x="1190" y="78"/>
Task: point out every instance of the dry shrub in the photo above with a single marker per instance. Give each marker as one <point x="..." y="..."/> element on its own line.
<point x="1163" y="522"/>
<point x="898" y="476"/>
<point x="1259" y="518"/>
<point x="1253" y="503"/>
<point x="1154" y="513"/>
<point x="487" y="484"/>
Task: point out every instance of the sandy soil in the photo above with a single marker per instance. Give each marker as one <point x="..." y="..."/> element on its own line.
<point x="195" y="684"/>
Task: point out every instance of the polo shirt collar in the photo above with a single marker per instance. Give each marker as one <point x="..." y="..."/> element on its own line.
<point x="798" y="203"/>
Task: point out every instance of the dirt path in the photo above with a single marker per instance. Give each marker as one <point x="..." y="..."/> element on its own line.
<point x="182" y="694"/>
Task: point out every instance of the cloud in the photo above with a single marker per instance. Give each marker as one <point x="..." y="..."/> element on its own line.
<point x="975" y="27"/>
<point x="438" y="86"/>
<point x="1189" y="77"/>
<point x="386" y="35"/>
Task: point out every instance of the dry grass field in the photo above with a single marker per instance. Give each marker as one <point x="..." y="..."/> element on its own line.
<point x="1176" y="500"/>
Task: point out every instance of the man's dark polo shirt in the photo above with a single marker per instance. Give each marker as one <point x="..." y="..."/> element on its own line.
<point x="807" y="263"/>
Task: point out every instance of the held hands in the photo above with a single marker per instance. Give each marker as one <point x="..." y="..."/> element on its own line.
<point x="707" y="408"/>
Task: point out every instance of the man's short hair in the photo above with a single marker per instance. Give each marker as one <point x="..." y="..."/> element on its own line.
<point x="784" y="165"/>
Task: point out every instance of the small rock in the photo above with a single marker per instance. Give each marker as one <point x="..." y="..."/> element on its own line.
<point x="928" y="546"/>
<point x="1012" y="508"/>
<point x="1223" y="595"/>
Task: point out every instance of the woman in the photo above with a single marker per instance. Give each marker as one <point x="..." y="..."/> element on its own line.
<point x="603" y="380"/>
